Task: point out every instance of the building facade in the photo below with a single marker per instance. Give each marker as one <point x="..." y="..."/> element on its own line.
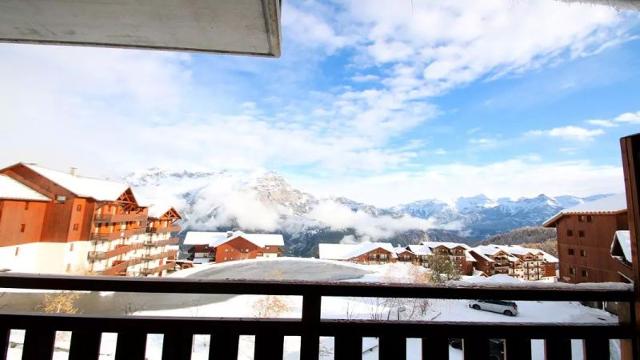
<point x="232" y="245"/>
<point x="516" y="261"/>
<point x="585" y="233"/>
<point x="369" y="253"/>
<point x="88" y="226"/>
<point x="457" y="253"/>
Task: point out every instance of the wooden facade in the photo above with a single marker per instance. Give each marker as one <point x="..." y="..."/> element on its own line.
<point x="103" y="236"/>
<point x="375" y="256"/>
<point x="584" y="245"/>
<point x="457" y="255"/>
<point x="240" y="248"/>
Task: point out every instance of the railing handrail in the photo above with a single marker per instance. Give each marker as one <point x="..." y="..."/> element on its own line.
<point x="566" y="292"/>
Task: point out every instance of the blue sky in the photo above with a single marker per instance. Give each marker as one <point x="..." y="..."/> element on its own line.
<point x="384" y="104"/>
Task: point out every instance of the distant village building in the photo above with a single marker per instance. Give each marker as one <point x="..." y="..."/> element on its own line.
<point x="62" y="223"/>
<point x="362" y="253"/>
<point x="585" y="234"/>
<point x="514" y="260"/>
<point x="457" y="253"/>
<point x="220" y="247"/>
<point x="405" y="255"/>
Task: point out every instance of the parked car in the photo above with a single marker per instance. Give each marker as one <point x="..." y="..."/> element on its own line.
<point x="509" y="308"/>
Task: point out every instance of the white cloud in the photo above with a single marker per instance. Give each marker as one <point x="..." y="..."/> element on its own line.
<point x="574" y="133"/>
<point x="629" y="118"/>
<point x="602" y="123"/>
<point x="512" y="178"/>
<point x="310" y="30"/>
<point x="365" y="78"/>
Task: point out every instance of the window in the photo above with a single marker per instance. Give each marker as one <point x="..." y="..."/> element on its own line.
<point x="78" y="207"/>
<point x="71" y="247"/>
<point x="583" y="253"/>
<point x="569" y="232"/>
<point x="22" y="227"/>
<point x="571" y="252"/>
<point x="584" y="273"/>
<point x="589" y="218"/>
<point x="581" y="233"/>
<point x="26" y="205"/>
<point x="572" y="271"/>
<point x="61" y="199"/>
<point x="75" y="227"/>
<point x="582" y="218"/>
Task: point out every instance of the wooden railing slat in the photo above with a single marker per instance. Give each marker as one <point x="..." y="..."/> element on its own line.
<point x="85" y="344"/>
<point x="557" y="349"/>
<point x="223" y="346"/>
<point x="38" y="344"/>
<point x="596" y="348"/>
<point x="268" y="347"/>
<point x="347" y="347"/>
<point x="435" y="348"/>
<point x="518" y="349"/>
<point x="131" y="345"/>
<point x="392" y="347"/>
<point x="310" y="341"/>
<point x="5" y="332"/>
<point x="177" y="345"/>
<point x="476" y="348"/>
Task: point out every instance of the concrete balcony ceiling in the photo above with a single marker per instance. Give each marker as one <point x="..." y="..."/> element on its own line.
<point x="249" y="27"/>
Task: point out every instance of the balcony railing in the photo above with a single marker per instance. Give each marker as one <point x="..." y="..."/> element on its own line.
<point x="121" y="267"/>
<point x="116" y="218"/>
<point x="101" y="255"/>
<point x="117" y="234"/>
<point x="162" y="255"/>
<point x="178" y="331"/>
<point x="170" y="241"/>
<point x="170" y="228"/>
<point x="159" y="269"/>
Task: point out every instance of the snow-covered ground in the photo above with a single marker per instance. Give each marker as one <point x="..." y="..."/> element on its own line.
<point x="344" y="308"/>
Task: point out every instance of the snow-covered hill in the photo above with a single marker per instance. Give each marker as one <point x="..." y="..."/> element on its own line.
<point x="265" y="201"/>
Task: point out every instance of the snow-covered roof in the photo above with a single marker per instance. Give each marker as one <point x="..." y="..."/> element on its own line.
<point x="613" y="204"/>
<point x="260" y="240"/>
<point x="350" y="251"/>
<point x="400" y="249"/>
<point x="621" y="245"/>
<point x="510" y="251"/>
<point x="215" y="239"/>
<point x="99" y="189"/>
<point x="468" y="257"/>
<point x="420" y="250"/>
<point x="15" y="190"/>
<point x="447" y="244"/>
<point x="203" y="237"/>
<point x="481" y="253"/>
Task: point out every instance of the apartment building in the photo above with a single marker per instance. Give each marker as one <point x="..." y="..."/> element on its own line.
<point x="362" y="253"/>
<point x="232" y="245"/>
<point x="456" y="252"/>
<point x="87" y="226"/>
<point x="514" y="260"/>
<point x="585" y="234"/>
<point x="405" y="255"/>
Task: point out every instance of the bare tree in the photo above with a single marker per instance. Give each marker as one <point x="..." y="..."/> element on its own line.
<point x="59" y="303"/>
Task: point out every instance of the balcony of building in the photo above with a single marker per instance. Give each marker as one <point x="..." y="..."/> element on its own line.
<point x="117" y="234"/>
<point x="158" y="269"/>
<point x="118" y="250"/>
<point x="120" y="217"/>
<point x="160" y="255"/>
<point x="164" y="229"/>
<point x="170" y="241"/>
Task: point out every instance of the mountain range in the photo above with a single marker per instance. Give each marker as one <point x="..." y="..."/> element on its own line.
<point x="266" y="202"/>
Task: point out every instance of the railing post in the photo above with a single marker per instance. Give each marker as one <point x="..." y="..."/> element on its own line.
<point x="5" y="332"/>
<point x="630" y="147"/>
<point x="311" y="312"/>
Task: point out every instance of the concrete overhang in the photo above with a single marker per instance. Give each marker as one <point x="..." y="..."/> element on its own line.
<point x="249" y="27"/>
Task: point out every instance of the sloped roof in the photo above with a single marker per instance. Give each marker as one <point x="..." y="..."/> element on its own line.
<point x="101" y="190"/>
<point x="609" y="205"/>
<point x="510" y="251"/>
<point x="157" y="211"/>
<point x="400" y="249"/>
<point x="420" y="250"/>
<point x="15" y="190"/>
<point x="621" y="245"/>
<point x="203" y="237"/>
<point x="260" y="240"/>
<point x="447" y="244"/>
<point x="350" y="251"/>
